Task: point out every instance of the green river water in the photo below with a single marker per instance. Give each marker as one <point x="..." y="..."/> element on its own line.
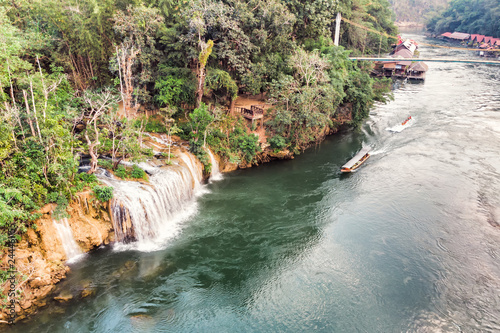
<point x="408" y="243"/>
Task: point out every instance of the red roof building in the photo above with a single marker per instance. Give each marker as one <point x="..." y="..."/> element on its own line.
<point x="474" y="37"/>
<point x="479" y="38"/>
<point x="459" y="36"/>
<point x="487" y="39"/>
<point x="446" y="34"/>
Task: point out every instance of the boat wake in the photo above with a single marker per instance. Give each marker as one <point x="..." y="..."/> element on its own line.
<point x="379" y="151"/>
<point x="400" y="127"/>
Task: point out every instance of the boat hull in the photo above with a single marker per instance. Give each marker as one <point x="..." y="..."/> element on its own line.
<point x="356" y="161"/>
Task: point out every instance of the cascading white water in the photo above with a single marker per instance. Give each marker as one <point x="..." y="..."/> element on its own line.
<point x="71" y="249"/>
<point x="196" y="172"/>
<point x="146" y="215"/>
<point x="215" y="174"/>
<point x="149" y="214"/>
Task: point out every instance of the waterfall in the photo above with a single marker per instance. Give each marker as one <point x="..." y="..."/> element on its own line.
<point x="196" y="172"/>
<point x="71" y="249"/>
<point x="145" y="215"/>
<point x="215" y="174"/>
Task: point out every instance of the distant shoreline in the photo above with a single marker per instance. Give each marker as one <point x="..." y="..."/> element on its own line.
<point x="409" y="24"/>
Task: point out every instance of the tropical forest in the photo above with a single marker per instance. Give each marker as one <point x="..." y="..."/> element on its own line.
<point x="67" y="64"/>
<point x="468" y="16"/>
<point x="85" y="83"/>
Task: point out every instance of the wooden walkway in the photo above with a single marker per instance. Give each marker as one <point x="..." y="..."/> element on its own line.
<point x="255" y="112"/>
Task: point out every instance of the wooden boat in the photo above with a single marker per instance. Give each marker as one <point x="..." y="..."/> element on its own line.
<point x="356" y="161"/>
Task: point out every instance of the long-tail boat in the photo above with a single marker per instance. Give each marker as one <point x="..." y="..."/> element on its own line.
<point x="356" y="161"/>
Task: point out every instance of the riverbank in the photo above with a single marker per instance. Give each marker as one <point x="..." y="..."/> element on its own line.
<point x="41" y="258"/>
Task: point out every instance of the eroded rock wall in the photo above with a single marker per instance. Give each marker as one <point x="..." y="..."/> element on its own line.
<point x="40" y="257"/>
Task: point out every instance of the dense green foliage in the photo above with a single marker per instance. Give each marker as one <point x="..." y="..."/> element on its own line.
<point x="469" y="16"/>
<point x="66" y="64"/>
<point x="103" y="193"/>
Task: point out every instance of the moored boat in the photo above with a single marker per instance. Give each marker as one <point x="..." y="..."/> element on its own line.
<point x="356" y="161"/>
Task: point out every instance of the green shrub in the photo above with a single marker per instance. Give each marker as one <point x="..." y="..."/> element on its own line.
<point x="167" y="155"/>
<point x="106" y="164"/>
<point x="121" y="172"/>
<point x="103" y="193"/>
<point x="137" y="172"/>
<point x="60" y="210"/>
<point x="86" y="178"/>
<point x="52" y="197"/>
<point x="248" y="144"/>
<point x="150" y="125"/>
<point x="196" y="147"/>
<point x="277" y="142"/>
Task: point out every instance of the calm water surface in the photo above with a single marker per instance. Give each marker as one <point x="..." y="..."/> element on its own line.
<point x="409" y="243"/>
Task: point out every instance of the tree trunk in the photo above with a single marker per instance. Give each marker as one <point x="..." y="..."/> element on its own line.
<point x="201" y="82"/>
<point x="93" y="150"/>
<point x="231" y="107"/>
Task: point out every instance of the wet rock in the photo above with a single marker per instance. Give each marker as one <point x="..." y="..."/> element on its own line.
<point x="44" y="291"/>
<point x="87" y="292"/>
<point x="228" y="167"/>
<point x="64" y="296"/>
<point x="87" y="289"/>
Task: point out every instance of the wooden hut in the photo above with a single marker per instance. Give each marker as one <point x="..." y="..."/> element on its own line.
<point x="417" y="70"/>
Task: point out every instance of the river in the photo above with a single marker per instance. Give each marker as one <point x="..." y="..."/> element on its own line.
<point x="408" y="243"/>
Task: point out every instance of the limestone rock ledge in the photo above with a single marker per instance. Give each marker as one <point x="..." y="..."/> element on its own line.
<point x="40" y="257"/>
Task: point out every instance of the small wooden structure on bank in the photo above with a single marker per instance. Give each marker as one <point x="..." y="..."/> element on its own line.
<point x="417" y="71"/>
<point x="402" y="66"/>
<point x="255" y="112"/>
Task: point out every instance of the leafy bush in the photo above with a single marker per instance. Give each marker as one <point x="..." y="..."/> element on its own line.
<point x="106" y="164"/>
<point x="277" y="142"/>
<point x="137" y="172"/>
<point x="221" y="84"/>
<point x="152" y="125"/>
<point x="167" y="155"/>
<point x="175" y="86"/>
<point x="86" y="178"/>
<point x="248" y="144"/>
<point x="121" y="172"/>
<point x="170" y="90"/>
<point x="197" y="149"/>
<point x="103" y="193"/>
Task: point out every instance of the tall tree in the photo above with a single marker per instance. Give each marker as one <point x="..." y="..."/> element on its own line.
<point x="136" y="55"/>
<point x="98" y="104"/>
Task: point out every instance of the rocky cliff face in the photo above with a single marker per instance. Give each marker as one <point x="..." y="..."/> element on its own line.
<point x="40" y="256"/>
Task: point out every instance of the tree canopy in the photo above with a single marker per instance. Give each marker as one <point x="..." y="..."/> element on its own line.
<point x="469" y="16"/>
<point x="75" y="73"/>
